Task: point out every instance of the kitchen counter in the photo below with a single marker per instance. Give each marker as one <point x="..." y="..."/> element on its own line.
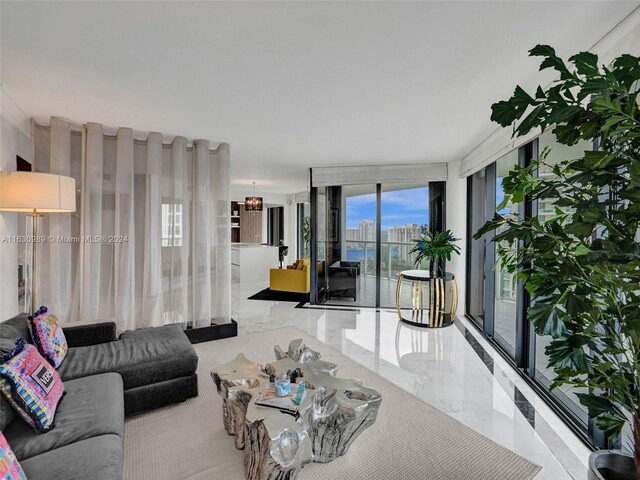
<point x="252" y="261"/>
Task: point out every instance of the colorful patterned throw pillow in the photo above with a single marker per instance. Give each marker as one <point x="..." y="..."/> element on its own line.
<point x="48" y="336"/>
<point x="31" y="385"/>
<point x="10" y="469"/>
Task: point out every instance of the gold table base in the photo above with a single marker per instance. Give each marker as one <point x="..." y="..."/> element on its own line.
<point x="437" y="299"/>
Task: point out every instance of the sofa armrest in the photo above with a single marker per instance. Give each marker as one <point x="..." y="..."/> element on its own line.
<point x="355" y="265"/>
<point x="85" y="335"/>
<point x="289" y="280"/>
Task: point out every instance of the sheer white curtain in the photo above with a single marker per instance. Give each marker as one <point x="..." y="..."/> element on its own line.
<point x="150" y="242"/>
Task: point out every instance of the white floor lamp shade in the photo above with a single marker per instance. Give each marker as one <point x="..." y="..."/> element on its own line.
<point x="36" y="193"/>
<point x="43" y="192"/>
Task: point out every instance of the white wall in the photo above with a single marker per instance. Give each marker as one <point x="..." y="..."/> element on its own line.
<point x="14" y="140"/>
<point x="270" y="198"/>
<point x="457" y="223"/>
<point x="624" y="38"/>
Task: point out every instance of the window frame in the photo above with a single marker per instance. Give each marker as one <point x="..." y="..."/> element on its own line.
<point x="524" y="357"/>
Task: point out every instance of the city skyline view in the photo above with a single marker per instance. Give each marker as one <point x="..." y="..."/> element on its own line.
<point x="399" y="208"/>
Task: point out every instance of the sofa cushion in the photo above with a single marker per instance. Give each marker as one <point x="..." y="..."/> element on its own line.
<point x="97" y="458"/>
<point x="10" y="468"/>
<point x="31" y="385"/>
<point x="16" y="327"/>
<point x="142" y="357"/>
<point x="92" y="334"/>
<point x="48" y="336"/>
<point x="93" y="406"/>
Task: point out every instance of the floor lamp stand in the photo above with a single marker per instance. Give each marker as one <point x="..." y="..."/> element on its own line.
<point x="35" y="192"/>
<point x="35" y="218"/>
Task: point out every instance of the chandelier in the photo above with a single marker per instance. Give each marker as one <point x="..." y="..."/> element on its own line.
<point x="253" y="203"/>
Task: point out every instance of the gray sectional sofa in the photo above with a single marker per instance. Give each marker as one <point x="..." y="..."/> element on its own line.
<point x="105" y="379"/>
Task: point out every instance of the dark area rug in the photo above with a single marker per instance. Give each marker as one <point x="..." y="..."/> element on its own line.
<point x="278" y="296"/>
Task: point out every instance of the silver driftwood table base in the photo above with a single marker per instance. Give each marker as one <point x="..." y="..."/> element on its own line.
<point x="331" y="416"/>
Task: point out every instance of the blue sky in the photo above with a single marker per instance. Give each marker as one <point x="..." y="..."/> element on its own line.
<point x="500" y="196"/>
<point x="398" y="208"/>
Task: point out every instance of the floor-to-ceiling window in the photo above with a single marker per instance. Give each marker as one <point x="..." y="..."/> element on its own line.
<point x="492" y="295"/>
<point x="351" y="261"/>
<point x="494" y="300"/>
<point x="545" y="210"/>
<point x="505" y="294"/>
<point x="404" y="216"/>
<point x="319" y="244"/>
<point x="365" y="235"/>
<point x="477" y="216"/>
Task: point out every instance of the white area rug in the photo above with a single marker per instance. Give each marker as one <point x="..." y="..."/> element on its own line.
<point x="410" y="440"/>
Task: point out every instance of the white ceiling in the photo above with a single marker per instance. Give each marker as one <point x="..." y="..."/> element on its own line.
<point x="291" y="85"/>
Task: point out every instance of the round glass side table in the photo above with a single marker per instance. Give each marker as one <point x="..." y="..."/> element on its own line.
<point x="441" y="307"/>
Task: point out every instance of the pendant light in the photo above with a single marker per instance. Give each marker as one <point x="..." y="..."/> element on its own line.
<point x="253" y="203"/>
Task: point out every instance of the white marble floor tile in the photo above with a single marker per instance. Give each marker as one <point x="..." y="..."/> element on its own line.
<point x="437" y="366"/>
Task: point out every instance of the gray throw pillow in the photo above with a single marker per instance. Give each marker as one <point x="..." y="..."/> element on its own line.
<point x="6" y="345"/>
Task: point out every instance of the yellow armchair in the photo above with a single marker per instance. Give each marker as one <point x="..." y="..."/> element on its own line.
<point x="290" y="279"/>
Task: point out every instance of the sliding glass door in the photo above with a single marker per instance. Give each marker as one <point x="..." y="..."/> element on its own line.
<point x="505" y="295"/>
<point x="492" y="293"/>
<point x="477" y="216"/>
<point x="404" y="215"/>
<point x="352" y="276"/>
<point x="544" y="210"/>
<point x="495" y="301"/>
<point x="344" y="232"/>
<point x="364" y="237"/>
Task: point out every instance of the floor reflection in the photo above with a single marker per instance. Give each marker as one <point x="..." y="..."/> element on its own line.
<point x="415" y="346"/>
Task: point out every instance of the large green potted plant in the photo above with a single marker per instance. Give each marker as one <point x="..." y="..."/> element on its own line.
<point x="582" y="267"/>
<point x="437" y="248"/>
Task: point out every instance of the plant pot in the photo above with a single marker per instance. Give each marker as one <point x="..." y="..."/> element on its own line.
<point x="611" y="465"/>
<point x="436" y="269"/>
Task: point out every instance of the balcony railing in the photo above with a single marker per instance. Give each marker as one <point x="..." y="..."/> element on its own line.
<point x="394" y="257"/>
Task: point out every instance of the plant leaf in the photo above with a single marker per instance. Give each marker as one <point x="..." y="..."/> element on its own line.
<point x="545" y="315"/>
<point x="586" y="63"/>
<point x="504" y="113"/>
<point x="597" y="405"/>
<point x="551" y="60"/>
<point x="521" y="99"/>
<point x="611" y="425"/>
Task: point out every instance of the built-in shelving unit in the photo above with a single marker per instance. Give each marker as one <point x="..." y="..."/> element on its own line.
<point x="246" y="227"/>
<point x="235" y="221"/>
